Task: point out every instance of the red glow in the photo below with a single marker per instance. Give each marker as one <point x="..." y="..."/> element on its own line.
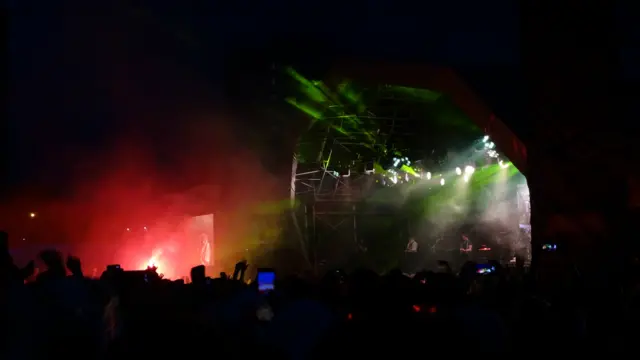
<point x="416" y="308"/>
<point x="162" y="267"/>
<point x="114" y="192"/>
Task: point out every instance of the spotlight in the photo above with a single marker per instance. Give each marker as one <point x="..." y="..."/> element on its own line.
<point x="400" y="161"/>
<point x="144" y="228"/>
<point x="469" y="170"/>
<point x="32" y="215"/>
<point x="485" y="138"/>
<point x="128" y="229"/>
<point x="503" y="164"/>
<point x="458" y="171"/>
<point x="442" y="182"/>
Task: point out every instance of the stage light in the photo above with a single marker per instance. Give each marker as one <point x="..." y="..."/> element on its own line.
<point x="32" y="215"/>
<point x="485" y="138"/>
<point x="469" y="170"/>
<point x="442" y="182"/>
<point x="503" y="164"/>
<point x="369" y="168"/>
<point x="428" y="175"/>
<point x="458" y="171"/>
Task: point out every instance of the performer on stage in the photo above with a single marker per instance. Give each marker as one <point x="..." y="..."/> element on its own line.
<point x="466" y="247"/>
<point x="412" y="246"/>
<point x="205" y="250"/>
<point x="411" y="256"/>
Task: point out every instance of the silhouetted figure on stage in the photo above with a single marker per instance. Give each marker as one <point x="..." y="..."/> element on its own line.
<point x="412" y="246"/>
<point x="466" y="248"/>
<point x="412" y="260"/>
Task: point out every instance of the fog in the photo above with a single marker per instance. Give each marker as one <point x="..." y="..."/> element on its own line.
<point x="118" y="131"/>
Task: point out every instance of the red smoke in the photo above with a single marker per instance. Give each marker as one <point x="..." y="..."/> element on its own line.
<point x="176" y="154"/>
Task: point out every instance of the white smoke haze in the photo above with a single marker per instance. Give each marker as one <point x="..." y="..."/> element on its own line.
<point x="492" y="212"/>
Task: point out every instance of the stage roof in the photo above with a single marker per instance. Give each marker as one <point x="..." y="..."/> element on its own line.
<point x="442" y="80"/>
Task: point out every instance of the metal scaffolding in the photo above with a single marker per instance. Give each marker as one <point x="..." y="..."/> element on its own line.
<point x="330" y="189"/>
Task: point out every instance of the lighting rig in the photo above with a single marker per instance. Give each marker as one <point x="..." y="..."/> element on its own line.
<point x="349" y="151"/>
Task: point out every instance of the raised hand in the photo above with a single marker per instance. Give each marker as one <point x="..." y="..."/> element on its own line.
<point x="28" y="270"/>
<point x="241" y="267"/>
<point x="74" y="265"/>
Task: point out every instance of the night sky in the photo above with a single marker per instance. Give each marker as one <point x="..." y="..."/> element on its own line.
<point x="84" y="74"/>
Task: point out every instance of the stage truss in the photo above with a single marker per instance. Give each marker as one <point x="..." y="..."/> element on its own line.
<point x="333" y="169"/>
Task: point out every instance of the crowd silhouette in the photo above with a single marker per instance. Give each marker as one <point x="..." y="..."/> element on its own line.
<point x="61" y="313"/>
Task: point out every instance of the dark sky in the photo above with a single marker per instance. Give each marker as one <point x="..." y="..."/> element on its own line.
<point x="82" y="73"/>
